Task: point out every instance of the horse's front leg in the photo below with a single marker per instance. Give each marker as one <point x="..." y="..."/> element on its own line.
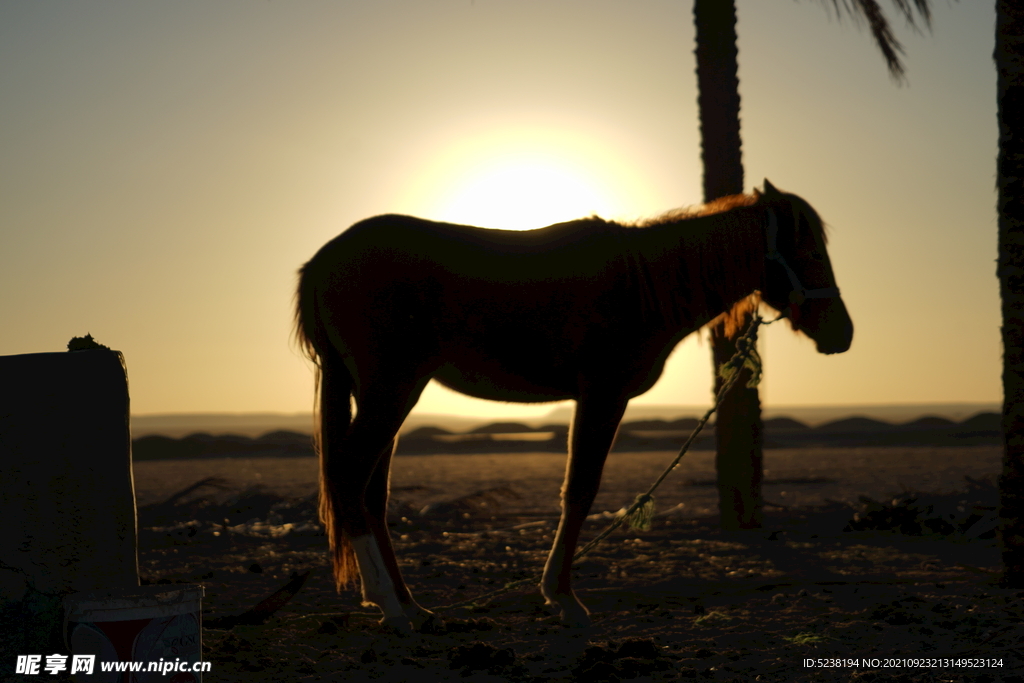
<point x="593" y="430"/>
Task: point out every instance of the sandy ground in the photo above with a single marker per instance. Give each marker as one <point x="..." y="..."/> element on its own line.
<point x="681" y="601"/>
<point x="850" y="472"/>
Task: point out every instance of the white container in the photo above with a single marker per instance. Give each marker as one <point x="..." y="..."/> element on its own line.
<point x="161" y="623"/>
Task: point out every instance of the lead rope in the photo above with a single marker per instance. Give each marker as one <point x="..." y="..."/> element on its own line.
<point x="642" y="509"/>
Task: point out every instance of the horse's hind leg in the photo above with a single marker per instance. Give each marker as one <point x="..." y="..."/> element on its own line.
<point x="376" y="507"/>
<point x="593" y="430"/>
<point x="351" y="468"/>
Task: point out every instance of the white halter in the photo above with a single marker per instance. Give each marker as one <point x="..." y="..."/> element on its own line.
<point x="798" y="294"/>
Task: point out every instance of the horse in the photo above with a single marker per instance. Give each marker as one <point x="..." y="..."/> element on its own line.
<point x="586" y="310"/>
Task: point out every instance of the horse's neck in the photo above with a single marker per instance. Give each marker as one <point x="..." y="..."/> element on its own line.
<point x="699" y="267"/>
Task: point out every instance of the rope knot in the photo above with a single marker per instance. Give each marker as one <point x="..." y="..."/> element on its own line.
<point x="641" y="513"/>
<point x="746" y="356"/>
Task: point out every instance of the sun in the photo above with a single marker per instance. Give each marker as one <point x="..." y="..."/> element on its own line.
<point x="521" y="179"/>
<point x="523" y="193"/>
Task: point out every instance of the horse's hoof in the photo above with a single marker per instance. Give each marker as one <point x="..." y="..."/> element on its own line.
<point x="420" y="618"/>
<point x="575" y="615"/>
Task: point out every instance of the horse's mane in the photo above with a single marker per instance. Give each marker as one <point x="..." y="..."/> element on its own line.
<point x="719" y="250"/>
<point x="720" y="205"/>
<point x="732" y="250"/>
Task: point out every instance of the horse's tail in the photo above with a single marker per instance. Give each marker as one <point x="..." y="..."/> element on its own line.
<point x="333" y="414"/>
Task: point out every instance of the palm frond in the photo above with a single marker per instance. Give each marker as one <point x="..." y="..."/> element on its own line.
<point x="880" y="28"/>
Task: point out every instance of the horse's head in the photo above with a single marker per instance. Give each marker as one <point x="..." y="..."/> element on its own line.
<point x="799" y="278"/>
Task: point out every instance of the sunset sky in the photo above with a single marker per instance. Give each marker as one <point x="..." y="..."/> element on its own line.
<point x="166" y="167"/>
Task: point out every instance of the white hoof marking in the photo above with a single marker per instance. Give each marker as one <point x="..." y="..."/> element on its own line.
<point x="378" y="589"/>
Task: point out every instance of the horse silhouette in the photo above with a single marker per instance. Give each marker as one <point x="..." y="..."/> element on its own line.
<point x="586" y="310"/>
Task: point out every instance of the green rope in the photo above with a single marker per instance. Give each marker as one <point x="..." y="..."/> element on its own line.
<point x="746" y="346"/>
<point x="643" y="515"/>
<point x="641" y="512"/>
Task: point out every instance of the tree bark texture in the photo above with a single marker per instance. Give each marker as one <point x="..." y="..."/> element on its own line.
<point x="718" y="97"/>
<point x="1009" y="57"/>
<point x="739" y="460"/>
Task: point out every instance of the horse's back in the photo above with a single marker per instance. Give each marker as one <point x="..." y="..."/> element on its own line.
<point x="411" y="246"/>
<point x="399" y="286"/>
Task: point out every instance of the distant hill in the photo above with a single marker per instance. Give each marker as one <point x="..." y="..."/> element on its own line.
<point x="243" y="424"/>
<point x="254" y="424"/>
<point x="811" y="415"/>
<point x="635" y="435"/>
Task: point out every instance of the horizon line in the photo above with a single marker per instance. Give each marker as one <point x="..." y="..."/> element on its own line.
<point x="645" y="406"/>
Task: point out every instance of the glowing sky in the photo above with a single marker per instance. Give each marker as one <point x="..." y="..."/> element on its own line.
<point x="165" y="167"/>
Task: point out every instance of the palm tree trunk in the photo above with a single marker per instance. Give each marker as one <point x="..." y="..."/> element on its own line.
<point x="1009" y="57"/>
<point x="718" y="97"/>
<point x="739" y="459"/>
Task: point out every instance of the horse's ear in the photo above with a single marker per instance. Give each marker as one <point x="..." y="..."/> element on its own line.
<point x="769" y="189"/>
<point x="757" y="195"/>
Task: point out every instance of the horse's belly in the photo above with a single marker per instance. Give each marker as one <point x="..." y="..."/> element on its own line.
<point x="489" y="380"/>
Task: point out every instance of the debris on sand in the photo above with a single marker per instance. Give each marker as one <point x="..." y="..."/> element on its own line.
<point x="477" y="502"/>
<point x="606" y="515"/>
<point x="264" y="609"/>
<point x="214" y="482"/>
<point x="635" y="657"/>
<point x="464" y="626"/>
<point x="677" y="510"/>
<point x="481" y="657"/>
<point x="964" y="515"/>
<point x="175" y="507"/>
<point x="251" y="511"/>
